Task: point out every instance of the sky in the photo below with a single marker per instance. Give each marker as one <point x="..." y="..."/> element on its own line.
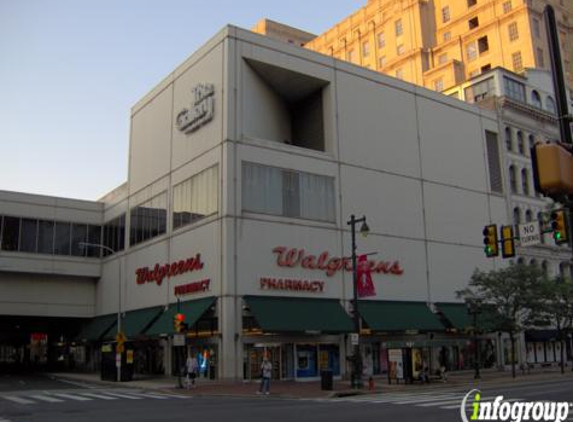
<point x="70" y="71"/>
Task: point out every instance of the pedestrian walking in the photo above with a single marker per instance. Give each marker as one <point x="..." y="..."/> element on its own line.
<point x="266" y="373"/>
<point x="192" y="368"/>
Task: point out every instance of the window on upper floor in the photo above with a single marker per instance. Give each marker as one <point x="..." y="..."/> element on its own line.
<point x="350" y="56"/>
<point x="472" y="3"/>
<point x="398" y="28"/>
<point x="287" y="193"/>
<point x="535" y="99"/>
<point x="196" y="198"/>
<point x="494" y="162"/>
<point x="446" y="14"/>
<point x="439" y="85"/>
<point x="382" y="61"/>
<point x="531" y="141"/>
<point x="400" y="49"/>
<point x="400" y="73"/>
<point x="447" y="36"/>
<point x="381" y="40"/>
<point x="485" y="68"/>
<point x="516" y="215"/>
<point x="506" y="6"/>
<point x="473" y="23"/>
<point x="528" y="216"/>
<point x="365" y="49"/>
<point x="471" y="52"/>
<point x="148" y="219"/>
<point x="479" y="90"/>
<point x="114" y="235"/>
<point x="513" y="179"/>
<point x="514" y="89"/>
<point x="508" y="139"/>
<point x="443" y="58"/>
<point x="525" y="183"/>
<point x="513" y="32"/>
<point x="483" y="44"/>
<point x="550" y="104"/>
<point x="31" y="235"/>
<point x="520" y="142"/>
<point x="517" y="62"/>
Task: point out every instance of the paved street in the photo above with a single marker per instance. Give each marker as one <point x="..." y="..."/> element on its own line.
<point x="57" y="401"/>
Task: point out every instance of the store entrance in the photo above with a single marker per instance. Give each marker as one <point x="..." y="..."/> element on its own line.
<point x="281" y="357"/>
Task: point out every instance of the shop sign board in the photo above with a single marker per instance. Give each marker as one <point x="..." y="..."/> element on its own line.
<point x="201" y="111"/>
<point x="396" y="364"/>
<point x="354" y="339"/>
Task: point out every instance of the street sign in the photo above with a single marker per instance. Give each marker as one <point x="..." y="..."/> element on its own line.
<point x="179" y="339"/>
<point x="354" y="339"/>
<point x="529" y="234"/>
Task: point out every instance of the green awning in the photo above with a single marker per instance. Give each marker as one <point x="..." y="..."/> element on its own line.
<point x="285" y="314"/>
<point x="97" y="327"/>
<point x="134" y="323"/>
<point x="399" y="316"/>
<point x="193" y="310"/>
<point x="457" y="314"/>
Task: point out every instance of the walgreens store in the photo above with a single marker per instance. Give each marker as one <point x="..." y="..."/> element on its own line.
<point x="245" y="165"/>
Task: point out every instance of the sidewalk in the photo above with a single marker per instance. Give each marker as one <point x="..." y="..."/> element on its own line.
<point x="313" y="389"/>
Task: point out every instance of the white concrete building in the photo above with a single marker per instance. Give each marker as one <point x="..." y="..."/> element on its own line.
<point x="245" y="165"/>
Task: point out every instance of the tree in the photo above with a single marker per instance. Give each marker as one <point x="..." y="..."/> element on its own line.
<point x="513" y="292"/>
<point x="556" y="310"/>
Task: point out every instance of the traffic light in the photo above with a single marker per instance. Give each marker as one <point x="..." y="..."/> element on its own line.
<point x="507" y="242"/>
<point x="552" y="169"/>
<point x="179" y="322"/>
<point x="490" y="241"/>
<point x="559" y="226"/>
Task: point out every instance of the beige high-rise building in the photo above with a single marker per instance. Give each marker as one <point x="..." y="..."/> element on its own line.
<point x="442" y="43"/>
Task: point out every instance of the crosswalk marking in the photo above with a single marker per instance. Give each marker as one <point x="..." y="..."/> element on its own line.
<point x="150" y="396"/>
<point x="19" y="400"/>
<point x="415" y="400"/>
<point x="124" y="396"/>
<point x="46" y="398"/>
<point x="99" y="396"/>
<point x="72" y="397"/>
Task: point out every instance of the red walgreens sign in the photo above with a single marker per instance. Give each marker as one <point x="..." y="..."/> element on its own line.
<point x="294" y="257"/>
<point x="159" y="272"/>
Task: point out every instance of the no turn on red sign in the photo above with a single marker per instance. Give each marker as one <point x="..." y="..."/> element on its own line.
<point x="529" y="234"/>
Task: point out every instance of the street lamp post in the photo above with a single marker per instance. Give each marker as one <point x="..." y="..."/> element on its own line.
<point x="474" y="310"/>
<point x="356" y="377"/>
<point x="111" y="251"/>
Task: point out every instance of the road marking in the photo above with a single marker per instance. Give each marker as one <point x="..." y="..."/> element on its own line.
<point x="18" y="400"/>
<point x="150" y="396"/>
<point x="174" y="396"/>
<point x="99" y="396"/>
<point x="482" y="401"/>
<point x="413" y="400"/>
<point x="123" y="396"/>
<point x="46" y="398"/>
<point x="71" y="397"/>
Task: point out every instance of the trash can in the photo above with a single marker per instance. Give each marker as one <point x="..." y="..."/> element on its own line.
<point x="326" y="382"/>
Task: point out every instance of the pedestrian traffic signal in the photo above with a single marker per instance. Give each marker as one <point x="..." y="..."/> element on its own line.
<point x="490" y="241"/>
<point x="559" y="226"/>
<point x="507" y="242"/>
<point x="179" y="322"/>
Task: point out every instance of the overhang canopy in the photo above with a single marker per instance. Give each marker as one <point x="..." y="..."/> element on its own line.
<point x="97" y="328"/>
<point x="457" y="314"/>
<point x="399" y="316"/>
<point x="286" y="314"/>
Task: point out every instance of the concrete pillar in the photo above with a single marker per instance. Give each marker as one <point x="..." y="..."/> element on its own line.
<point x="230" y="367"/>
